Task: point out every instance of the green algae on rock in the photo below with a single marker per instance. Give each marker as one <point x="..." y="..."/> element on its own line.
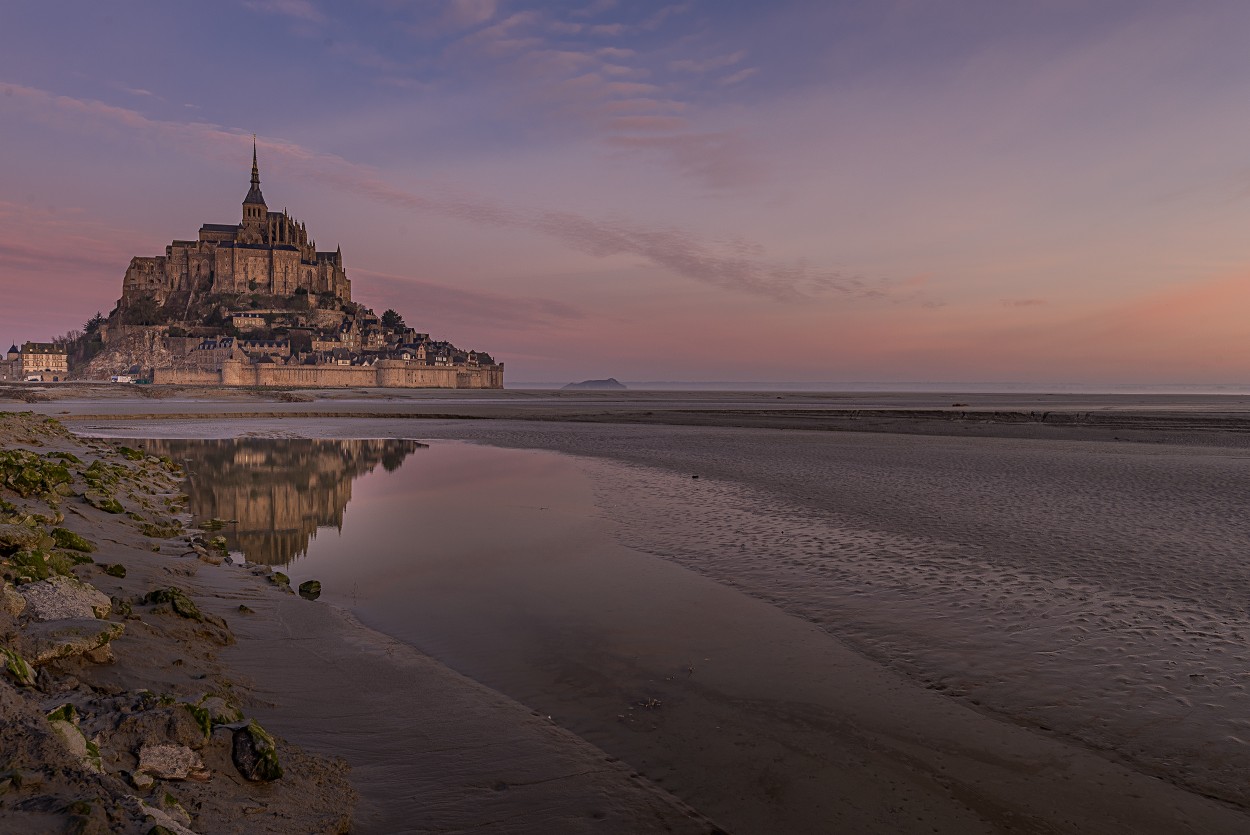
<point x="16" y="667"/>
<point x="176" y="598"/>
<point x="255" y="754"/>
<point x="74" y="542"/>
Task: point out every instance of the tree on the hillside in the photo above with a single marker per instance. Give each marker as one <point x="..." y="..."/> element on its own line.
<point x="141" y="311"/>
<point x="93" y="324"/>
<point x="392" y="321"/>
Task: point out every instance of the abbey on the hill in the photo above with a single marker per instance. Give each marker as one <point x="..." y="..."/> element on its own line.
<point x="255" y="304"/>
<point x="268" y="252"/>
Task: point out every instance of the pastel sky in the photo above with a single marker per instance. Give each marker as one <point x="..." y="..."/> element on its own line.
<point x="891" y="190"/>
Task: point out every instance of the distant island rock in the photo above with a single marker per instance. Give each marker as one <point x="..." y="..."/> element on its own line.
<point x="610" y="384"/>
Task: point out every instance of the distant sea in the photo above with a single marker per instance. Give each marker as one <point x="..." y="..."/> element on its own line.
<point x="953" y="387"/>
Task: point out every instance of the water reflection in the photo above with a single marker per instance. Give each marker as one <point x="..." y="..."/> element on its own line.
<point x="274" y="493"/>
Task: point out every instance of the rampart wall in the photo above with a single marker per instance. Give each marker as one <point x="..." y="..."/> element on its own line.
<point x="387" y="373"/>
<point x="185" y="377"/>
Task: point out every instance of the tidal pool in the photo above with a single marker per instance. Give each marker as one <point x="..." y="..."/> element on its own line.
<point x="1088" y="590"/>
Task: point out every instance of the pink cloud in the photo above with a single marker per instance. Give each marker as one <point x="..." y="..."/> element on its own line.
<point x="740" y="75"/>
<point x="718" y="160"/>
<point x="693" y="65"/>
<point x="672" y="249"/>
<point x="462" y="14"/>
<point x="298" y="9"/>
<point x="441" y="303"/>
<point x="647" y="123"/>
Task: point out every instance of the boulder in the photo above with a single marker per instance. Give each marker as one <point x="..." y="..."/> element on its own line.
<point x="19" y="537"/>
<point x="74" y="542"/>
<point x="170" y="725"/>
<point x="11" y="601"/>
<point x="15" y="667"/>
<point x="81" y="748"/>
<point x="182" y="605"/>
<point x="162" y="822"/>
<point x="254" y="753"/>
<point x="310" y="589"/>
<point x="48" y="641"/>
<point x="58" y="598"/>
<point x="220" y="712"/>
<point x="172" y="762"/>
<point x="103" y="501"/>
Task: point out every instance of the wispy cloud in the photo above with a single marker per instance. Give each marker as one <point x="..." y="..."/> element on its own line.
<point x="499" y="311"/>
<point x="598" y="7"/>
<point x="740" y="75"/>
<point x="717" y="264"/>
<point x="463" y="14"/>
<point x="695" y="65"/>
<point x="718" y="159"/>
<point x="302" y="10"/>
<point x="1023" y="302"/>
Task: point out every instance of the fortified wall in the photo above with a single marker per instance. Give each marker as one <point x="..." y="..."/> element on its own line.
<point x="383" y="374"/>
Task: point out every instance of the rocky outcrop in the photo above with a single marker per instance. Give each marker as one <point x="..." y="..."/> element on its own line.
<point x="59" y="598"/>
<point x="255" y="754"/>
<point x="42" y="643"/>
<point x="172" y="762"/>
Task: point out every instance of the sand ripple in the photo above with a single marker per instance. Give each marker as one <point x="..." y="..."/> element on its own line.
<point x="1098" y="591"/>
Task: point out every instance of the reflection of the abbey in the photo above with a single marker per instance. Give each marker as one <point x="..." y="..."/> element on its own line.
<point x="275" y="493"/>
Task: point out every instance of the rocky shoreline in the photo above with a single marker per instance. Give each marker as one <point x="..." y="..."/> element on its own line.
<point x="119" y="715"/>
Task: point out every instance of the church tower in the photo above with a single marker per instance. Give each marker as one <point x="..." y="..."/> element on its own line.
<point x="255" y="212"/>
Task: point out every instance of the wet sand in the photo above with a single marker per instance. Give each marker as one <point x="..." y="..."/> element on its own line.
<point x="753" y="716"/>
<point x="1043" y="619"/>
<point x="974" y="579"/>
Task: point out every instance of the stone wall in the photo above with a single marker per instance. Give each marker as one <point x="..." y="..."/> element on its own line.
<point x="387" y="373"/>
<point x="185" y="377"/>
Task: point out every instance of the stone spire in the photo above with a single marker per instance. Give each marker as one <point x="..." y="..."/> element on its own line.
<point x="253" y="194"/>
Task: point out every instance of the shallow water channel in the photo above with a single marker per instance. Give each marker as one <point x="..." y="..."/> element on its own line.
<point x="501" y="564"/>
<point x="536" y="574"/>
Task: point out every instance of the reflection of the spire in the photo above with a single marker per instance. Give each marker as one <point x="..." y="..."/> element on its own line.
<point x="274" y="493"/>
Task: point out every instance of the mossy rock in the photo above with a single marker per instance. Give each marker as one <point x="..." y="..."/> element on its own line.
<point x="16" y="667"/>
<point x="74" y="542"/>
<point x="280" y="579"/>
<point x="182" y="605"/>
<point x="203" y="718"/>
<point x="17" y="537"/>
<point x="28" y="474"/>
<point x="64" y="456"/>
<point x="63" y="562"/>
<point x="115" y="569"/>
<point x="220" y="711"/>
<point x="310" y="589"/>
<point x="255" y="754"/>
<point x="65" y="713"/>
<point x="131" y="453"/>
<point x="103" y="501"/>
<point x="100" y="473"/>
<point x="121" y="606"/>
<point x="162" y="530"/>
<point x="28" y="566"/>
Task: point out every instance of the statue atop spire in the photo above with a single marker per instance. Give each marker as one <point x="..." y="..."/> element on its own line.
<point x="253" y="195"/>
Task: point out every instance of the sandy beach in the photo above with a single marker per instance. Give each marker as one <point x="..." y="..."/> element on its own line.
<point x="996" y="618"/>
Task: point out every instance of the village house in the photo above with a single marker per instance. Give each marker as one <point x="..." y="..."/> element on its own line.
<point x="43" y="362"/>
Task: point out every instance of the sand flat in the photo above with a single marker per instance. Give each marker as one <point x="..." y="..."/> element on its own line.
<point x="986" y="574"/>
